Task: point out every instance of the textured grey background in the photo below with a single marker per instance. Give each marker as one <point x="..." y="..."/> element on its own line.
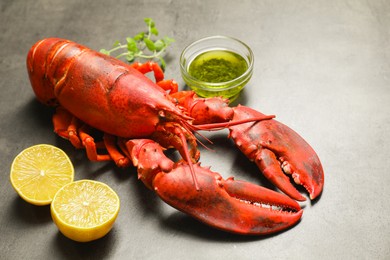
<point x="323" y="67"/>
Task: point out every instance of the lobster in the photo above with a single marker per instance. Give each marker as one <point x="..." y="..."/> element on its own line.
<point x="140" y="118"/>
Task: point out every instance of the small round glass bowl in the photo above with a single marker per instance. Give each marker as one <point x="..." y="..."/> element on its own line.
<point x="228" y="89"/>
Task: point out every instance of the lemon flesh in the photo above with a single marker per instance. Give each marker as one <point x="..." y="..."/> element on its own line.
<point x="39" y="171"/>
<point x="85" y="210"/>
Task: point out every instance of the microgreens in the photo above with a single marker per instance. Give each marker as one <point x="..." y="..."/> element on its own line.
<point x="142" y="45"/>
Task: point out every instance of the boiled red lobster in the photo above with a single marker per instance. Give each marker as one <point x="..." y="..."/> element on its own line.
<point x="139" y="119"/>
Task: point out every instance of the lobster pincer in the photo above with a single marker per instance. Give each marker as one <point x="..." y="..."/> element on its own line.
<point x="277" y="149"/>
<point x="230" y="205"/>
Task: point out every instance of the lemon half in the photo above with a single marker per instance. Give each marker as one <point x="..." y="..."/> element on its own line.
<point x="85" y="210"/>
<point x="38" y="172"/>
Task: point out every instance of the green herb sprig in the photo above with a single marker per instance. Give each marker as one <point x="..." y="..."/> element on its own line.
<point x="142" y="45"/>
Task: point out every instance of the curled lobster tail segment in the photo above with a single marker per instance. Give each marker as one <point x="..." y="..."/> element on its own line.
<point x="39" y="61"/>
<point x="229" y="205"/>
<point x="277" y="149"/>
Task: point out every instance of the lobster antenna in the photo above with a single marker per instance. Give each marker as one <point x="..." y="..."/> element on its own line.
<point x="190" y="128"/>
<point x="188" y="159"/>
<point x="219" y="126"/>
<point x="202" y="144"/>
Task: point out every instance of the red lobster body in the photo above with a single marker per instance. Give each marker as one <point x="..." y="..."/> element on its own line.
<point x="97" y="90"/>
<point x="139" y="120"/>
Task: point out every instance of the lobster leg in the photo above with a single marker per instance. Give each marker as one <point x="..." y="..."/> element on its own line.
<point x="91" y="146"/>
<point x="229" y="205"/>
<point x="66" y="125"/>
<point x="168" y="84"/>
<point x="121" y="158"/>
<point x="69" y="127"/>
<point x="151" y="66"/>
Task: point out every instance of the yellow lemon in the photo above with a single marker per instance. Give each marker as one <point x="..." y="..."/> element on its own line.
<point x="38" y="172"/>
<point x="85" y="210"/>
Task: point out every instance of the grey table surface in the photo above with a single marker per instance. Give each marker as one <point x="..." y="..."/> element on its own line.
<point x="323" y="67"/>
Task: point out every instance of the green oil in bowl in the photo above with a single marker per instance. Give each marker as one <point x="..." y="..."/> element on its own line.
<point x="218" y="73"/>
<point x="217" y="66"/>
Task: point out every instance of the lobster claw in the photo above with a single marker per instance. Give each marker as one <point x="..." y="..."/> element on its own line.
<point x="230" y="205"/>
<point x="273" y="146"/>
<point x="277" y="149"/>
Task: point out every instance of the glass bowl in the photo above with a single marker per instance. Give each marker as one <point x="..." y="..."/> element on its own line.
<point x="228" y="89"/>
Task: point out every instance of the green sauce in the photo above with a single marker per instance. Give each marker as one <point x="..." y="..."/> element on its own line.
<point x="217" y="66"/>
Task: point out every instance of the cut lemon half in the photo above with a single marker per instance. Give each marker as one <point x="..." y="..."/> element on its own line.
<point x="38" y="172"/>
<point x="85" y="210"/>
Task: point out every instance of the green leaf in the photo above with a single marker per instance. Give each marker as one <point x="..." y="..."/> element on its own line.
<point x="139" y="36"/>
<point x="104" y="51"/>
<point x="163" y="64"/>
<point x="154" y="31"/>
<point x="130" y="57"/>
<point x="116" y="43"/>
<point x="145" y="41"/>
<point x="131" y="44"/>
<point x="149" y="22"/>
<point x="159" y="44"/>
<point x="168" y="40"/>
<point x="149" y="44"/>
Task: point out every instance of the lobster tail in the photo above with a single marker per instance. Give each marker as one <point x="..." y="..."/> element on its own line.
<point x="46" y="67"/>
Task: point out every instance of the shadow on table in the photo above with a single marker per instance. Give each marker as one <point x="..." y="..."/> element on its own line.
<point x="97" y="249"/>
<point x="28" y="214"/>
<point x="187" y="226"/>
